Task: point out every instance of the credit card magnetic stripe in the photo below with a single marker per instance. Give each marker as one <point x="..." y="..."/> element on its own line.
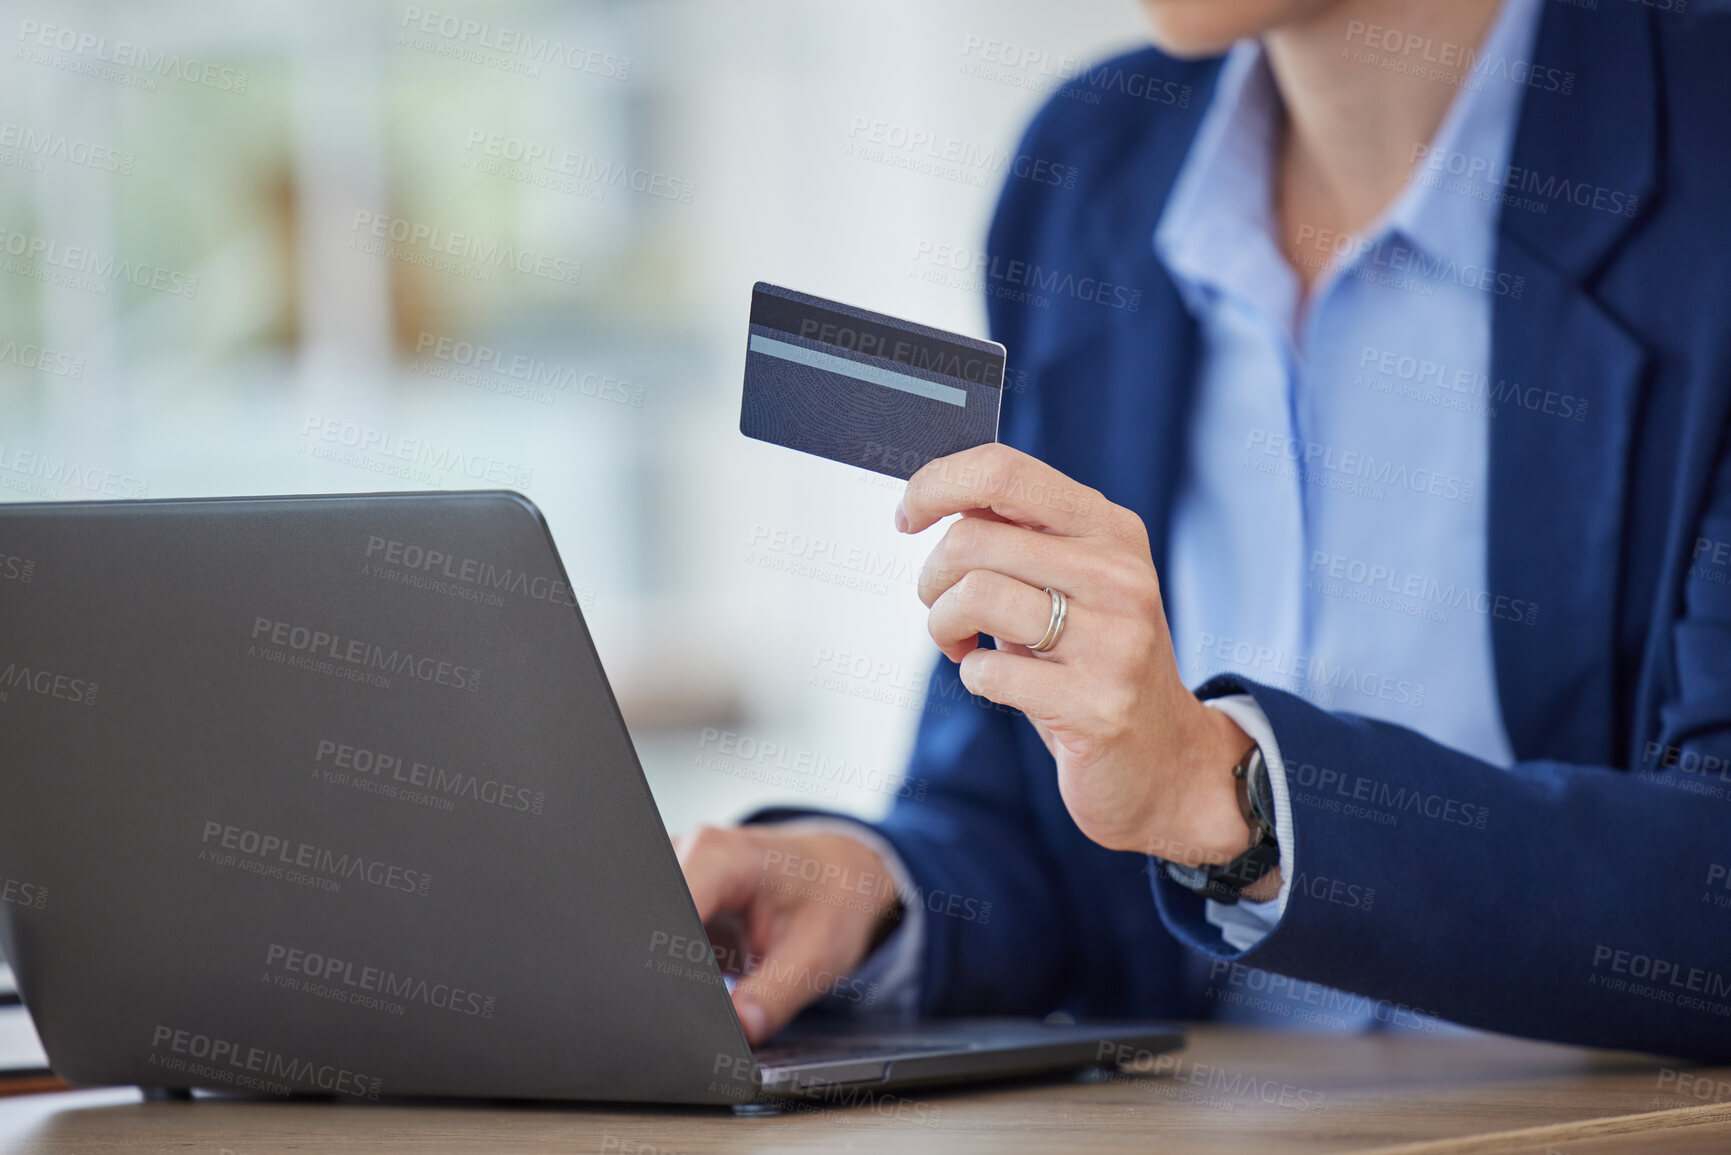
<point x="858" y="370"/>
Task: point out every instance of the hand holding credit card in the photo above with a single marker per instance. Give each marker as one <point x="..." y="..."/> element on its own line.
<point x="862" y="388"/>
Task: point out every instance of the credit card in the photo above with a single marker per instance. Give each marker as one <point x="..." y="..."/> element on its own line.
<point x="865" y="389"/>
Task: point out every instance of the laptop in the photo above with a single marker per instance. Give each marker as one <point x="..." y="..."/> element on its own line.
<point x="330" y="795"/>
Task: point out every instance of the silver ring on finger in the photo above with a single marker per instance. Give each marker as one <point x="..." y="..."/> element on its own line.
<point x="1055" y="627"/>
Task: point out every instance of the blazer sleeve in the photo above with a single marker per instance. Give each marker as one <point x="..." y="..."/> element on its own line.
<point x="1576" y="903"/>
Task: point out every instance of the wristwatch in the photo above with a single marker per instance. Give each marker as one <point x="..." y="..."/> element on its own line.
<point x="1225" y="882"/>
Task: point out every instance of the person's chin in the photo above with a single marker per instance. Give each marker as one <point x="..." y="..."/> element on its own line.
<point x="1193" y="29"/>
<point x="1191" y="48"/>
<point x="1187" y="43"/>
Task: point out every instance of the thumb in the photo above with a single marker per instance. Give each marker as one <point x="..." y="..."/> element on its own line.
<point x="798" y="969"/>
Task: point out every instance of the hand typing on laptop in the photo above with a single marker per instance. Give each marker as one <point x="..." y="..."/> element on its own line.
<point x="791" y="911"/>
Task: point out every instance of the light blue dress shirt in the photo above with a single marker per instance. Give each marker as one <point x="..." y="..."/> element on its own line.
<point x="1329" y="537"/>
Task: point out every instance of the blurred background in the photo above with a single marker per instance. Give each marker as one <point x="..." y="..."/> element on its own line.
<point x="258" y="247"/>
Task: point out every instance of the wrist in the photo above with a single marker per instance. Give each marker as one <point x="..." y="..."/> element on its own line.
<point x="853" y="875"/>
<point x="862" y="882"/>
<point x="1210" y="827"/>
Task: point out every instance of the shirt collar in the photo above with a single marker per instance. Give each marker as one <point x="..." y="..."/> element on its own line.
<point x="1455" y="216"/>
<point x="1217" y="231"/>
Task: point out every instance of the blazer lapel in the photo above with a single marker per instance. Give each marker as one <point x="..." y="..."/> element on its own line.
<point x="1114" y="400"/>
<point x="1117" y="378"/>
<point x="1557" y="485"/>
<point x="1146" y="443"/>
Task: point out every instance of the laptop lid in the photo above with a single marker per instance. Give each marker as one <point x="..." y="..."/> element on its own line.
<point x="332" y="794"/>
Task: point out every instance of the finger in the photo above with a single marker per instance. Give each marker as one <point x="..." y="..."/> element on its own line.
<point x="795" y="971"/>
<point x="987" y="602"/>
<point x="722" y="867"/>
<point x="1008" y="482"/>
<point x="729" y="942"/>
<point x="1035" y="687"/>
<point x="1036" y="559"/>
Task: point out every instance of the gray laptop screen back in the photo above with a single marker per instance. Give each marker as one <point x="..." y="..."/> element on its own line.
<point x="331" y="794"/>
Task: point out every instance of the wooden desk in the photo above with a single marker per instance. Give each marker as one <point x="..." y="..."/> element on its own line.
<point x="1229" y="1091"/>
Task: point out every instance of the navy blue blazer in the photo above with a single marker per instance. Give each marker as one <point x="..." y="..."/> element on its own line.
<point x="1592" y="907"/>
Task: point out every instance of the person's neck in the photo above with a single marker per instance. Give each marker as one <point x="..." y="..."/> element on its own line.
<point x="1351" y="124"/>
